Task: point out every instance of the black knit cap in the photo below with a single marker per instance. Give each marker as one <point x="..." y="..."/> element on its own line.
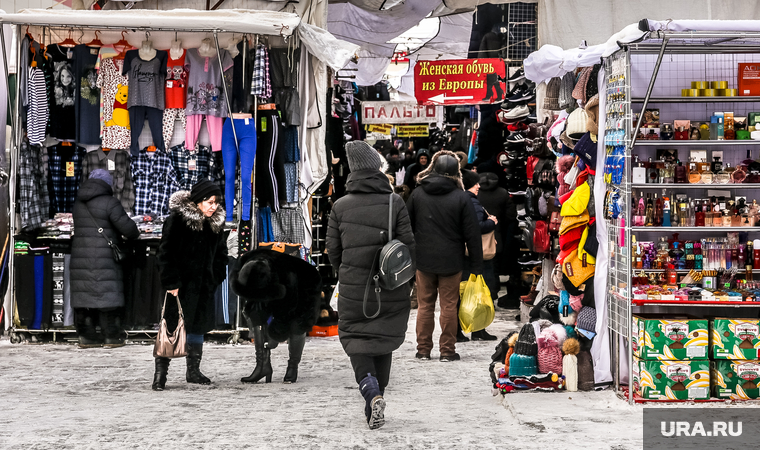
<point x="469" y="178"/>
<point x="203" y="190"/>
<point x="526" y="341"/>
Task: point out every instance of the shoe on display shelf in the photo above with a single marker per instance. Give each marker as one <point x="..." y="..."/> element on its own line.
<point x="516" y="137"/>
<point x="525" y="93"/>
<point x="529" y="258"/>
<point x="519" y="112"/>
<point x="517" y="76"/>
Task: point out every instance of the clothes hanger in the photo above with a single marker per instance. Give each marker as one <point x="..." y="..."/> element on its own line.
<point x="124" y="44"/>
<point x="68" y="42"/>
<point x="95" y="42"/>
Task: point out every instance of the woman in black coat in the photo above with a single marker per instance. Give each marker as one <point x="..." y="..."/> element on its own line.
<point x="487" y="223"/>
<point x="97" y="281"/>
<point x="192" y="261"/>
<point x="358" y="228"/>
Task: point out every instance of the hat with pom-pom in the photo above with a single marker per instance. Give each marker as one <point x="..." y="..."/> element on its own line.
<point x="549" y="355"/>
<point x="570" y="348"/>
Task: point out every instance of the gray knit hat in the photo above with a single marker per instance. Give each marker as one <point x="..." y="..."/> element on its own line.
<point x="566" y="91"/>
<point x="361" y="156"/>
<point x="526" y="341"/>
<point x="551" y="98"/>
<point x="586" y="319"/>
<point x="102" y="174"/>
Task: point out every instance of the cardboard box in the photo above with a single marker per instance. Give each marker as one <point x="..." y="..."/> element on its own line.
<point x="749" y="79"/>
<point x="735" y="338"/>
<point x="672" y="339"/>
<point x="317" y="331"/>
<point x="672" y="380"/>
<point x="736" y="379"/>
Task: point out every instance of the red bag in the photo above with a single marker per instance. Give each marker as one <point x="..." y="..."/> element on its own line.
<point x="530" y="167"/>
<point x="555" y="222"/>
<point x="541" y="239"/>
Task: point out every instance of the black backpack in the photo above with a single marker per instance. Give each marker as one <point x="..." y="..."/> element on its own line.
<point x="395" y="265"/>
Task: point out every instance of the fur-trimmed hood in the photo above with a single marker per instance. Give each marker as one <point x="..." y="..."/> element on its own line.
<point x="193" y="217"/>
<point x="429" y="169"/>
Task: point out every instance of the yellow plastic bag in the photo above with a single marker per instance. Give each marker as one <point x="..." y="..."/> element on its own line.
<point x="476" y="311"/>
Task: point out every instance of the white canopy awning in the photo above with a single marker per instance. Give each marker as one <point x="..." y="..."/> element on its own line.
<point x="228" y="20"/>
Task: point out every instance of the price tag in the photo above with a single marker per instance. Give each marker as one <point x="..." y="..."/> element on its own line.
<point x="111" y="165"/>
<point x="70" y="168"/>
<point x="191" y="165"/>
<point x="169" y="83"/>
<point x="246" y="121"/>
<point x="263" y="124"/>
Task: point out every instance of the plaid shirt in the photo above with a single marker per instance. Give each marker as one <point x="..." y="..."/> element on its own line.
<point x="120" y="170"/>
<point x="181" y="159"/>
<point x="64" y="176"/>
<point x="34" y="203"/>
<point x="155" y="181"/>
<point x="261" y="85"/>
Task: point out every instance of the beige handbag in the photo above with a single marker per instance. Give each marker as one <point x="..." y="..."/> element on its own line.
<point x="489" y="244"/>
<point x="171" y="345"/>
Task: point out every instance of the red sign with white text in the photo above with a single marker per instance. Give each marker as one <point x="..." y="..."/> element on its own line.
<point x="460" y="81"/>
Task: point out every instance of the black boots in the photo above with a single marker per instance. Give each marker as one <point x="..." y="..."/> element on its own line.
<point x="296" y="343"/>
<point x="159" y="378"/>
<point x="194" y="356"/>
<point x="110" y="327"/>
<point x="482" y="335"/>
<point x="374" y="403"/>
<point x="85" y="323"/>
<point x="263" y="367"/>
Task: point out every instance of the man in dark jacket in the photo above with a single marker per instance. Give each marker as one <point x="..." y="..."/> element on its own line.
<point x="97" y="281"/>
<point x="443" y="220"/>
<point x="423" y="161"/>
<point x="358" y="228"/>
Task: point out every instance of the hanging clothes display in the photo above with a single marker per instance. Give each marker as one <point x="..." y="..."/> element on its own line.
<point x="270" y="163"/>
<point x="245" y="149"/>
<point x="191" y="166"/>
<point x="241" y="82"/>
<point x="114" y="94"/>
<point x="87" y="104"/>
<point x="155" y="181"/>
<point x="261" y="85"/>
<point x="62" y="109"/>
<point x="34" y="200"/>
<point x="64" y="175"/>
<point x="117" y="163"/>
<point x="176" y="95"/>
<point x="205" y="96"/>
<point x="37" y="106"/>
<point x="284" y="73"/>
<point x="146" y="95"/>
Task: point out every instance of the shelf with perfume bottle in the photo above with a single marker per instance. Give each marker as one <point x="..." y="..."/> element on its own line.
<point x="678" y="186"/>
<point x="695" y="143"/>
<point x="697" y="99"/>
<point x="680" y="271"/>
<point x="705" y="303"/>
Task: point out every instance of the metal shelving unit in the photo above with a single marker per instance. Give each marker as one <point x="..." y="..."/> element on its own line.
<point x="691" y="56"/>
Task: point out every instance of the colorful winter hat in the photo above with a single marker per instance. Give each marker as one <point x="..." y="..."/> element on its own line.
<point x="567" y="315"/>
<point x="570" y="222"/>
<point x="577" y="270"/>
<point x="522" y="365"/>
<point x="551" y="97"/>
<point x="591" y="259"/>
<point x="576" y="302"/>
<point x="549" y="355"/>
<point x="577" y="203"/>
<point x="592" y="111"/>
<point x="526" y="341"/>
<point x="570" y="348"/>
<point x="586" y="323"/>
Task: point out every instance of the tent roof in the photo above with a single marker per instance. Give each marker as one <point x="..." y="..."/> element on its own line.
<point x="229" y="20"/>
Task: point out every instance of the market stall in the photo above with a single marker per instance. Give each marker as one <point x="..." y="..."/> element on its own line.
<point x="675" y="118"/>
<point x="72" y="115"/>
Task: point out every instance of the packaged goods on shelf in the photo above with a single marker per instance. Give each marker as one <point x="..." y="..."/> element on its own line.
<point x="735" y="379"/>
<point x="672" y="380"/>
<point x="676" y="338"/>
<point x="735" y="338"/>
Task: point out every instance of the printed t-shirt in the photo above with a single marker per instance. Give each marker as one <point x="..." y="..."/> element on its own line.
<point x="146" y="79"/>
<point x="176" y="82"/>
<point x="205" y="93"/>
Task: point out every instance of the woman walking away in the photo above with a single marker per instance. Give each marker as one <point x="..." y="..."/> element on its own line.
<point x="97" y="281"/>
<point x="358" y="228"/>
<point x="487" y="223"/>
<point x="192" y="260"/>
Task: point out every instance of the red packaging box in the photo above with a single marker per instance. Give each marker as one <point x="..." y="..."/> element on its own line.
<point x="749" y="79"/>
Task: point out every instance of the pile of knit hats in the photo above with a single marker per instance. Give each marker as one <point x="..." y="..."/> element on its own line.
<point x="523" y="361"/>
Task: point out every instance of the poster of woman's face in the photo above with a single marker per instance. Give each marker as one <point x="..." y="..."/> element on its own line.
<point x="64" y="84"/>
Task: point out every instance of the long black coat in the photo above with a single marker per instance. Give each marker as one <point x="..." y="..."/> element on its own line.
<point x="497" y="202"/>
<point x="443" y="220"/>
<point x="280" y="291"/>
<point x="353" y="239"/>
<point x="192" y="256"/>
<point x="97" y="281"/>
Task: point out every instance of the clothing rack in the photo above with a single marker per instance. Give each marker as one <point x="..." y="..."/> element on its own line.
<point x="17" y="133"/>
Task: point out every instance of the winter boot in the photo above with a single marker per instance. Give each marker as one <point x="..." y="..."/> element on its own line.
<point x="110" y="329"/>
<point x="88" y="335"/>
<point x="460" y="336"/>
<point x="295" y="350"/>
<point x="159" y="378"/>
<point x="374" y="403"/>
<point x="482" y="335"/>
<point x="194" y="356"/>
<point x="263" y="362"/>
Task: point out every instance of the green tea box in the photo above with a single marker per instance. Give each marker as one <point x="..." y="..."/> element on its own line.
<point x="736" y="379"/>
<point x="735" y="338"/>
<point x="671" y="380"/>
<point x="673" y="339"/>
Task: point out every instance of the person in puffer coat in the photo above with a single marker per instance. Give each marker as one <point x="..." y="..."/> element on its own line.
<point x="358" y="228"/>
<point x="97" y="281"/>
<point x="192" y="262"/>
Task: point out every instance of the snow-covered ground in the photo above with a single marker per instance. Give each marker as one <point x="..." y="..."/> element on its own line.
<point x="56" y="396"/>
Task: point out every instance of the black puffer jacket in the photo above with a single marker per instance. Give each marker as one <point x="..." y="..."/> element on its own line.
<point x="96" y="279"/>
<point x="443" y="220"/>
<point x="192" y="256"/>
<point x="496" y="201"/>
<point x="355" y="234"/>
